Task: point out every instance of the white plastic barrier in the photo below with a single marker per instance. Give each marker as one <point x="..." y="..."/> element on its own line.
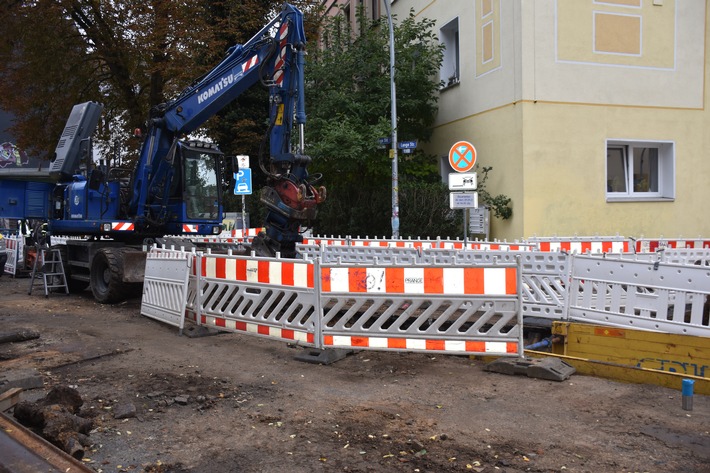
<point x="438" y="243"/>
<point x="652" y="245"/>
<point x="647" y="295"/>
<point x="165" y="286"/>
<point x="445" y="308"/>
<point x="269" y="297"/>
<point x="584" y="244"/>
<point x="14" y="248"/>
<point x="436" y="308"/>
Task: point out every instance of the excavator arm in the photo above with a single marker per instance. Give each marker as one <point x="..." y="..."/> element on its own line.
<point x="275" y="57"/>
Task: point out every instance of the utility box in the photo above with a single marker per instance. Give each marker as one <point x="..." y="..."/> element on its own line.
<point x="479" y="221"/>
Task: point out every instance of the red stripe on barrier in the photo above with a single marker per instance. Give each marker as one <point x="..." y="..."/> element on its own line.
<point x="203" y="265"/>
<point x="478" y="347"/>
<point x="240" y="326"/>
<point x="263" y="271"/>
<point x="287" y="274"/>
<point x="287" y="334"/>
<point x="219" y="322"/>
<point x="310" y="337"/>
<point x="394" y="280"/>
<point x="220" y="268"/>
<point x="586" y="246"/>
<point x="473" y="281"/>
<point x="360" y="342"/>
<point x="357" y="280"/>
<point x="434" y="281"/>
<point x="398" y="343"/>
<point x="324" y="279"/>
<point x="435" y="345"/>
<point x="544" y="246"/>
<point x="327" y="340"/>
<point x="511" y="347"/>
<point x="241" y="270"/>
<point x="310" y="276"/>
<point x="262" y="329"/>
<point x="511" y="280"/>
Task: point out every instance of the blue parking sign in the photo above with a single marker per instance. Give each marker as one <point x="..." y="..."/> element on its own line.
<point x="242" y="182"/>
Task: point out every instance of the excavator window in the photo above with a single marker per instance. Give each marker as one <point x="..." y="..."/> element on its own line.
<point x="201" y="185"/>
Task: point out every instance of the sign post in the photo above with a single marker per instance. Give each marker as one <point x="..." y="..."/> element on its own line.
<point x="242" y="185"/>
<point x="462" y="158"/>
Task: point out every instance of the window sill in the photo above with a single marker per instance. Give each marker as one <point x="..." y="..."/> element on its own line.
<point x="611" y="199"/>
<point x="450" y="85"/>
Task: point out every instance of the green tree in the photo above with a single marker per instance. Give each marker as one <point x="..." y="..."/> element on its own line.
<point x="129" y="55"/>
<point x="348" y="97"/>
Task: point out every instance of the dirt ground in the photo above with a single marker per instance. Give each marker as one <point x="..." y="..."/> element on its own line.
<point x="234" y="403"/>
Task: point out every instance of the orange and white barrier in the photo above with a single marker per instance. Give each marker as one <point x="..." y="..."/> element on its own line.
<point x="406" y="308"/>
<point x="653" y="245"/>
<point x="14" y="250"/>
<point x="582" y="245"/>
<point x="421" y="280"/>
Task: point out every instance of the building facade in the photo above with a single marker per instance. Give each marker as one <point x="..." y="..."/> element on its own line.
<point x="592" y="113"/>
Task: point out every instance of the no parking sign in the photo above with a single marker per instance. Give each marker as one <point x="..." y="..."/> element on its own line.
<point x="462" y="156"/>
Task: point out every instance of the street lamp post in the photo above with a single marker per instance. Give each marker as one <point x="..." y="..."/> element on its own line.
<point x="393" y="151"/>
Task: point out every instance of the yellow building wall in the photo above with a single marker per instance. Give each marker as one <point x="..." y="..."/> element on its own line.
<point x="564" y="80"/>
<point x="497" y="136"/>
<point x="565" y="173"/>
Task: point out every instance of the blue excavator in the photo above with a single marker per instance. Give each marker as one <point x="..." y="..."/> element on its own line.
<point x="176" y="187"/>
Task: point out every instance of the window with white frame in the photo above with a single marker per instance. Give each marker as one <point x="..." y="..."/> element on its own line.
<point x="449" y="37"/>
<point x="640" y="170"/>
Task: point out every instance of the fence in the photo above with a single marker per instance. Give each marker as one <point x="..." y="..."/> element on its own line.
<point x="451" y="308"/>
<point x="14" y="248"/>
<point x="307" y="302"/>
<point x="166" y="284"/>
<point x="640" y="294"/>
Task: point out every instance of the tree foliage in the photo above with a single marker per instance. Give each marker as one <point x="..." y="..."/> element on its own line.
<point x="349" y="105"/>
<point x="129" y="55"/>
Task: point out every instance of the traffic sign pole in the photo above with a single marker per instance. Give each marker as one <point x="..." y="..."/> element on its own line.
<point x="244" y="217"/>
<point x="393" y="93"/>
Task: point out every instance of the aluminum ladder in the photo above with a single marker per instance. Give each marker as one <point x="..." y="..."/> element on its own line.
<point x="51" y="270"/>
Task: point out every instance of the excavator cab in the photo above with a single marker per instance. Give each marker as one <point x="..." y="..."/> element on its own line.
<point x="202" y="188"/>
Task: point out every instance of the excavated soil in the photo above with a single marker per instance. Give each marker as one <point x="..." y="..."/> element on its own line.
<point x="165" y="402"/>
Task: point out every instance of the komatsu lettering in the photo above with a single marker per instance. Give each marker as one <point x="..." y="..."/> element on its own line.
<point x="217" y="88"/>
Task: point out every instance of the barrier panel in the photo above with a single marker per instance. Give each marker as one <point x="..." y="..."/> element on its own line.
<point x="269" y="297"/>
<point x="438" y="243"/>
<point x="470" y="309"/>
<point x="646" y="295"/>
<point x="165" y="285"/>
<point x="449" y="309"/>
<point x="425" y="298"/>
<point x="545" y="275"/>
<point x="584" y="244"/>
<point x="14" y="249"/>
<point x="652" y="245"/>
<point x="690" y="256"/>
